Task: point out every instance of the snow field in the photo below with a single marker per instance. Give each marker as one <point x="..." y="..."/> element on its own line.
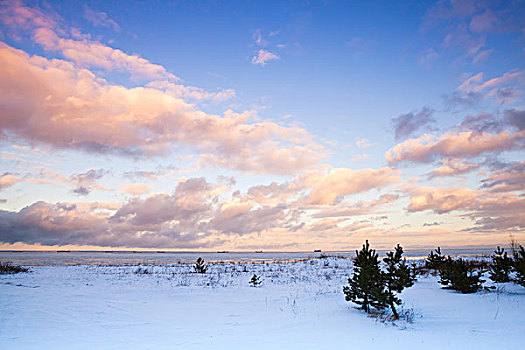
<point x="300" y="305"/>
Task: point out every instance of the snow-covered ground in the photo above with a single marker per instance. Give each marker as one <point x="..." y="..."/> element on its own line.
<point x="299" y="306"/>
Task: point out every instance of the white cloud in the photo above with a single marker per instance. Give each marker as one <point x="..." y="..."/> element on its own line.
<point x="264" y="56"/>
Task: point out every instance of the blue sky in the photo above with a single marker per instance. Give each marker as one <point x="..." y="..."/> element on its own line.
<point x="408" y="116"/>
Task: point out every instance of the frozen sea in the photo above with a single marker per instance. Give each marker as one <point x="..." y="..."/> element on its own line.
<point x="54" y="258"/>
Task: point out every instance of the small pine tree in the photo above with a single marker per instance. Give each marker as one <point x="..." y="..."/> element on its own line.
<point x="398" y="276"/>
<point x="255" y="281"/>
<point x="518" y="265"/>
<point x="499" y="271"/>
<point x="200" y="266"/>
<point x="460" y="275"/>
<point x="366" y="286"/>
<point x="435" y="260"/>
<point x="416" y="270"/>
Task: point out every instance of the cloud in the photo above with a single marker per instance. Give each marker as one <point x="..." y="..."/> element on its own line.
<point x="452" y="167"/>
<point x="363" y="143"/>
<point x="85" y="182"/>
<point x="192" y="216"/>
<point x="273" y="193"/>
<point x="268" y="156"/>
<point x="88" y="53"/>
<point x="489" y="211"/>
<point x="165" y="171"/>
<point x="242" y="219"/>
<point x="192" y="92"/>
<point x="199" y="214"/>
<point x="82" y="190"/>
<point x="462" y="39"/>
<point x="100" y="19"/>
<point x="440" y="200"/>
<point x="56" y="103"/>
<point x="454" y="145"/>
<point x="47" y="32"/>
<point x="8" y="180"/>
<point x="511" y="178"/>
<point x="503" y="89"/>
<point x="427" y="57"/>
<point x="482" y="122"/>
<point x="142" y="174"/>
<point x="136" y="189"/>
<point x="16" y="16"/>
<point x="466" y="26"/>
<point x="264" y="56"/>
<point x="515" y="118"/>
<point x="87" y="224"/>
<point x="196" y="214"/>
<point x="327" y="187"/>
<point x="482" y="22"/>
<point x="470" y="83"/>
<point x="358" y="209"/>
<point x="85" y="52"/>
<point x="482" y="55"/>
<point x="360" y="157"/>
<point x="462" y="99"/>
<point x="258" y="38"/>
<point x="435" y="223"/>
<point x="407" y="124"/>
<point x="508" y="78"/>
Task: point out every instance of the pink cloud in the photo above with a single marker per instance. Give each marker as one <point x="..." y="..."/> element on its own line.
<point x="455" y="145"/>
<point x="197" y="214"/>
<point x="482" y="22"/>
<point x="136" y="189"/>
<point x="505" y="79"/>
<point x="274" y="193"/>
<point x="8" y="180"/>
<point x="440" y="200"/>
<point x="508" y="179"/>
<point x="54" y="102"/>
<point x="87" y="53"/>
<point x="452" y="167"/>
<point x="263" y="57"/>
<point x="100" y="19"/>
<point x="357" y="209"/>
<point x="15" y="15"/>
<point x="328" y="186"/>
<point x="489" y="88"/>
<point x="45" y="31"/>
<point x="489" y="211"/>
<point x="192" y="92"/>
<point x="470" y="83"/>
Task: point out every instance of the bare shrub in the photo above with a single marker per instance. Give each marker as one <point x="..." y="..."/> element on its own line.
<point x="9" y="269"/>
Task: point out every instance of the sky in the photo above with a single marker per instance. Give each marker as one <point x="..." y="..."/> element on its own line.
<point x="261" y="125"/>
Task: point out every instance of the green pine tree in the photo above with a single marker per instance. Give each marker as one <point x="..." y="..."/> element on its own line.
<point x="518" y="265"/>
<point x="255" y="281"/>
<point x="200" y="266"/>
<point x="460" y="275"/>
<point x="366" y="286"/>
<point x="499" y="271"/>
<point x="435" y="260"/>
<point x="398" y="276"/>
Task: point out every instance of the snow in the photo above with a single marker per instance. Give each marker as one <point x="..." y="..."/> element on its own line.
<point x="299" y="306"/>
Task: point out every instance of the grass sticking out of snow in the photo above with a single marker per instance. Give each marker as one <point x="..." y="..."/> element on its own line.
<point x="300" y="305"/>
